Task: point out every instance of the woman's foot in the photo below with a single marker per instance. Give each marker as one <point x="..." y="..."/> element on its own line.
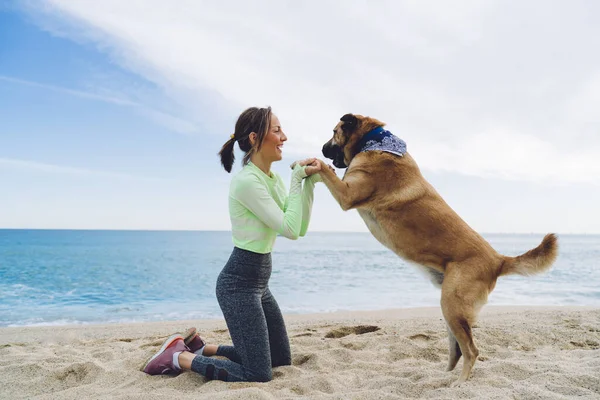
<point x="193" y="340"/>
<point x="162" y="363"/>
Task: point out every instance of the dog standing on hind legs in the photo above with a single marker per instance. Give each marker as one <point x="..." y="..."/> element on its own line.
<point x="406" y="214"/>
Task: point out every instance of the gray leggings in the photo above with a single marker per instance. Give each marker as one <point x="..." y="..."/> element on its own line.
<point x="255" y="323"/>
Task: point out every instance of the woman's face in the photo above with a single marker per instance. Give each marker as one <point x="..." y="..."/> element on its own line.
<point x="271" y="149"/>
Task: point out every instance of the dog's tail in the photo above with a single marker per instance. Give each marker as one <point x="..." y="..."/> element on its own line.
<point x="535" y="261"/>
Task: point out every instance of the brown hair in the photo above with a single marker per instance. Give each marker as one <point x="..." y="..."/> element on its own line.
<point x="253" y="119"/>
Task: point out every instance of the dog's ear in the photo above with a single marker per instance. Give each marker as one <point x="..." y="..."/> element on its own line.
<point x="350" y="122"/>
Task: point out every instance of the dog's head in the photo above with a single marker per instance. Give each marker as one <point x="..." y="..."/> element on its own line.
<point x="342" y="147"/>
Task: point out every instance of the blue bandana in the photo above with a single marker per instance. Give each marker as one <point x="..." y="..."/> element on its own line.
<point x="382" y="140"/>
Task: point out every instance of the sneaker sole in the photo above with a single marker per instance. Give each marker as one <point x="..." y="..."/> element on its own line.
<point x="165" y="346"/>
<point x="189" y="335"/>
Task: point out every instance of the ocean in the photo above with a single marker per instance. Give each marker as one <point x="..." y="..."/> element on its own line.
<point x="57" y="277"/>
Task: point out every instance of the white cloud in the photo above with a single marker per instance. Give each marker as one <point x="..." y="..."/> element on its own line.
<point x="172" y="122"/>
<point x="509" y="155"/>
<point x="481" y="88"/>
<point x="78" y="93"/>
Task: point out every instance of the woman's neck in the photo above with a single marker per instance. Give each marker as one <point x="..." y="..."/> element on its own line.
<point x="265" y="166"/>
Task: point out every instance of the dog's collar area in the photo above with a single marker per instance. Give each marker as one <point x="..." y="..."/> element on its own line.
<point x="371" y="135"/>
<point x="380" y="139"/>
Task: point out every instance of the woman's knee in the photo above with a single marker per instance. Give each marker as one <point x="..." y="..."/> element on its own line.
<point x="282" y="362"/>
<point x="262" y="376"/>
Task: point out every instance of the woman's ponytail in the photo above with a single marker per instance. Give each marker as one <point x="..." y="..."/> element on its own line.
<point x="227" y="154"/>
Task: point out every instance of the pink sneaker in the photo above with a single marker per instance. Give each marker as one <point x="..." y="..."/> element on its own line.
<point x="193" y="340"/>
<point x="162" y="362"/>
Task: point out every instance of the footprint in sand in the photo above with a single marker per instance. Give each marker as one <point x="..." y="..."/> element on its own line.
<point x="588" y="344"/>
<point x="298" y="390"/>
<point x="77" y="373"/>
<point x="349" y="330"/>
<point x="354" y="346"/>
<point x="420" y="337"/>
<point x="301" y="359"/>
<point x="103" y="355"/>
<point x="303" y="334"/>
<point x="152" y="344"/>
<point x="424" y="337"/>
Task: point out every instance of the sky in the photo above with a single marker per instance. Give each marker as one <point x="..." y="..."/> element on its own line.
<point x="112" y="112"/>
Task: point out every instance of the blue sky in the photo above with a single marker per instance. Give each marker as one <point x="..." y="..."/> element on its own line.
<point x="112" y="112"/>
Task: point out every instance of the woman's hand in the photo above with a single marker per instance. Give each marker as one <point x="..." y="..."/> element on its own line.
<point x="322" y="166"/>
<point x="312" y="165"/>
<point x="313" y="168"/>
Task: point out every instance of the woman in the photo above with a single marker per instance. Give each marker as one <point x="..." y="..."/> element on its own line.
<point x="259" y="209"/>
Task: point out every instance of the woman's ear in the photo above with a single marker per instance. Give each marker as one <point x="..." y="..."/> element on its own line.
<point x="252" y="138"/>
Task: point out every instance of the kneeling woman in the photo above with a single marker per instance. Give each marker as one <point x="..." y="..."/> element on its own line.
<point x="260" y="209"/>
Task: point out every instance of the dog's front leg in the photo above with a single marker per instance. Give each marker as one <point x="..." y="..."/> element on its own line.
<point x="355" y="189"/>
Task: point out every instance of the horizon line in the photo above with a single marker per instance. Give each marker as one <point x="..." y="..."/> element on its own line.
<point x="229" y="230"/>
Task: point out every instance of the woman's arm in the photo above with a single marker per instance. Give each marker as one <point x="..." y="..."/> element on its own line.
<point x="307" y="200"/>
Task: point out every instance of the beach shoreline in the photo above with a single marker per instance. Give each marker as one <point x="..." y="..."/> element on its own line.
<point x="525" y="351"/>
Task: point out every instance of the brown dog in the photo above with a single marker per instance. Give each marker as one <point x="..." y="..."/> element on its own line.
<point x="405" y="213"/>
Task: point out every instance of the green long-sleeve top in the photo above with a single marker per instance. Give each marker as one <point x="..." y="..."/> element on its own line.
<point x="260" y="208"/>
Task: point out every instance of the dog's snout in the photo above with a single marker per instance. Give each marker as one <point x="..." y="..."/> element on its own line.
<point x="335" y="153"/>
<point x="328" y="150"/>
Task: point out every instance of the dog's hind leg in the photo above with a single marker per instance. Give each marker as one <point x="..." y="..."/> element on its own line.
<point x="461" y="302"/>
<point x="437" y="278"/>
<point x="455" y="352"/>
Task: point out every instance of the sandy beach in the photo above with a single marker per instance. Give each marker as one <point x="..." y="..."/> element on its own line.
<point x="525" y="353"/>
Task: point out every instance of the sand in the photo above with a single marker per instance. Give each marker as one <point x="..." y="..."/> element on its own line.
<point x="525" y="353"/>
